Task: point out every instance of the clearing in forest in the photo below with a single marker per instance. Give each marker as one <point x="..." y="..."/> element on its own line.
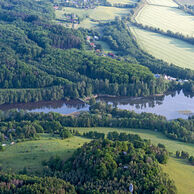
<point x="30" y="154"/>
<point x="168" y="49"/>
<point x="89" y="16"/>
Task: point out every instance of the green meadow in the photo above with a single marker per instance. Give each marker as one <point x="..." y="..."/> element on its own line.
<point x="30" y="154"/>
<point x="168" y="49"/>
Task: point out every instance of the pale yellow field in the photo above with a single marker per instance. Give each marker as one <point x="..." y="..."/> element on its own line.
<point x="167" y="18"/>
<point x="168" y="49"/>
<point x="169" y="3"/>
<point x="186" y="2"/>
<point x="121" y="1"/>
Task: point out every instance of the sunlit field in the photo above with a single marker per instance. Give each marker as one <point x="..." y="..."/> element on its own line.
<point x="169" y="3"/>
<point x="168" y="49"/>
<point x="167" y="18"/>
<point x="30" y="154"/>
<point x="99" y="13"/>
<point x="121" y="1"/>
<point x="186" y="2"/>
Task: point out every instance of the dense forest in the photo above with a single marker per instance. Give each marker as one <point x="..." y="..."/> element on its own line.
<point x="105" y="166"/>
<point x="43" y="61"/>
<point x="11" y="183"/>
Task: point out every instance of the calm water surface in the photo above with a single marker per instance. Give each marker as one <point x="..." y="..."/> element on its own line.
<point x="172" y="106"/>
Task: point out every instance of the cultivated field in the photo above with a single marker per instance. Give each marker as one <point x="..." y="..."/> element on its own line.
<point x="179" y="170"/>
<point x="121" y="1"/>
<point x="30" y="154"/>
<point x="168" y="49"/>
<point x="186" y="2"/>
<point x="167" y="18"/>
<point x="169" y="3"/>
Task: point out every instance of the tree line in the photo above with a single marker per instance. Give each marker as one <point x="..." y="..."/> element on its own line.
<point x="102" y="115"/>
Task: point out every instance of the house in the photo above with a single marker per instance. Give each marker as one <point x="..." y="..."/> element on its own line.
<point x="125" y="167"/>
<point x="92" y="45"/>
<point x="56" y="7"/>
<point x="4" y="145"/>
<point x="12" y="143"/>
<point x="11" y="130"/>
<point x="88" y="38"/>
<point x="157" y="75"/>
<point x="96" y="38"/>
<point x="125" y="153"/>
<point x="111" y="54"/>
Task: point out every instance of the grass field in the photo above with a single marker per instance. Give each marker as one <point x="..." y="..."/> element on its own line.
<point x="101" y="13"/>
<point x="29" y="154"/>
<point x="168" y="49"/>
<point x="167" y="18"/>
<point x="179" y="170"/>
<point x="182" y="174"/>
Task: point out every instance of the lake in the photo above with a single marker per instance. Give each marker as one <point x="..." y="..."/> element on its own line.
<point x="172" y="105"/>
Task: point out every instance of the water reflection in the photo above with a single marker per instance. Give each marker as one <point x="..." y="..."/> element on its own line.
<point x="60" y="106"/>
<point x="172" y="105"/>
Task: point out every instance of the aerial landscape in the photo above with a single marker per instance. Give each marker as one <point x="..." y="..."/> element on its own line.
<point x="97" y="96"/>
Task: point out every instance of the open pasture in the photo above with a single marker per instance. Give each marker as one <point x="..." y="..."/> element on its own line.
<point x="179" y="170"/>
<point x="30" y="154"/>
<point x="181" y="173"/>
<point x="155" y="137"/>
<point x="167" y="18"/>
<point x="99" y="13"/>
<point x="168" y="3"/>
<point x="168" y="49"/>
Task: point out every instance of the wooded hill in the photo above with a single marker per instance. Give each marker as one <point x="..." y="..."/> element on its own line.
<point x="105" y="166"/>
<point x="39" y="60"/>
